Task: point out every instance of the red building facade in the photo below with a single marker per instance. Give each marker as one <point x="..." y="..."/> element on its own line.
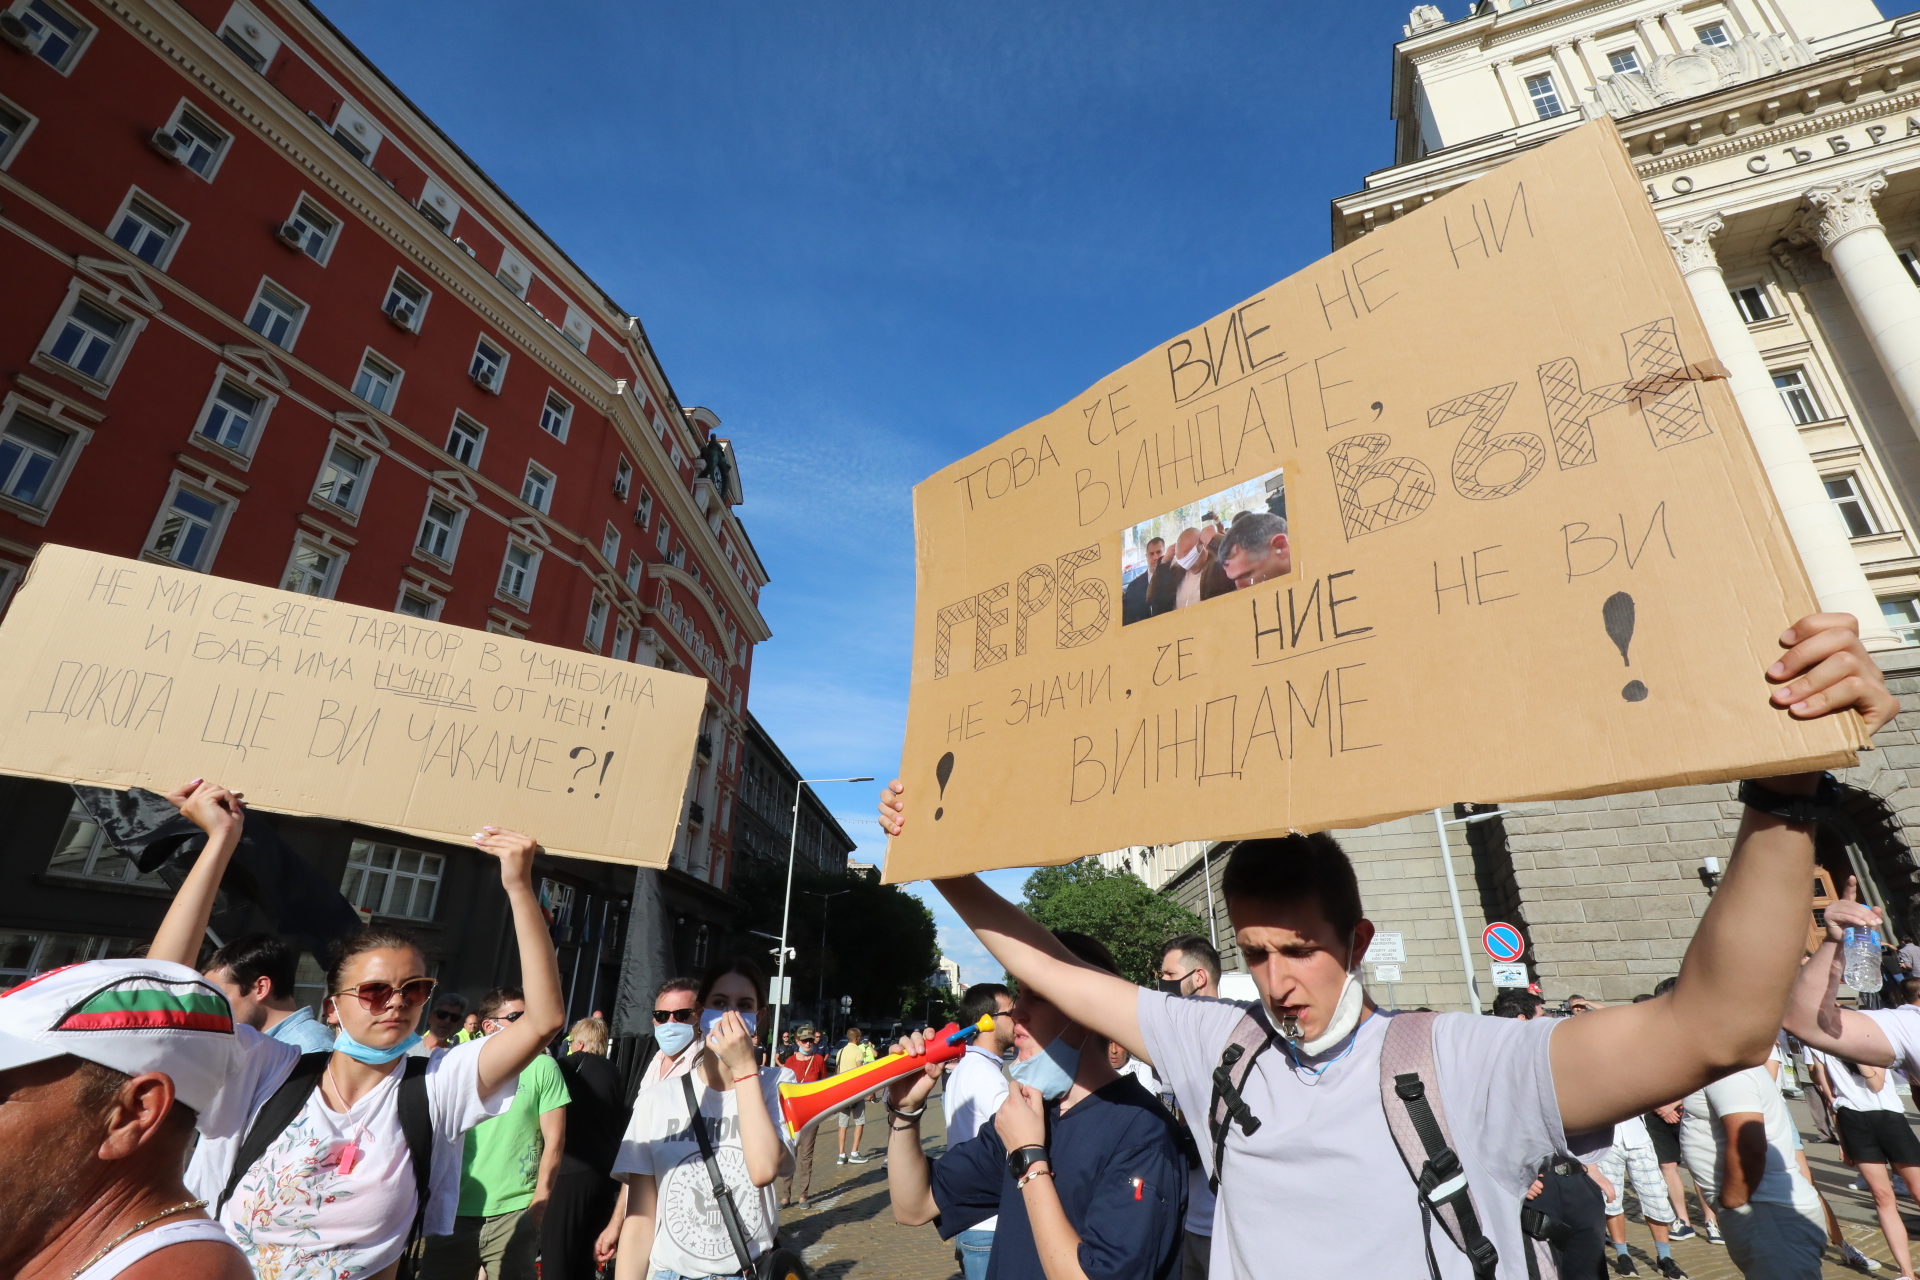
<point x="263" y="319"/>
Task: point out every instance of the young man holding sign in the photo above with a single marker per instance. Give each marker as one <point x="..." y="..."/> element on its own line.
<point x="1304" y="1135"/>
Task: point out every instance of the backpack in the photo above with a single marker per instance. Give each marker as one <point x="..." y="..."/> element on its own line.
<point x="1416" y="1117"/>
<point x="416" y="1125"/>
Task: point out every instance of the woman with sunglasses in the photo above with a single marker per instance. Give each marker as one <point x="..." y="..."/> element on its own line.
<point x="333" y="1195"/>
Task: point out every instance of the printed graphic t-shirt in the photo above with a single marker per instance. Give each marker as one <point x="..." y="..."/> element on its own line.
<point x="689" y="1236"/>
<point x="500" y="1166"/>
<point x="296" y="1214"/>
<point x="1323" y="1153"/>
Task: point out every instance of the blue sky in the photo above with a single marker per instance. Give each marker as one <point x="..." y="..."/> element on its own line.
<point x="874" y="237"/>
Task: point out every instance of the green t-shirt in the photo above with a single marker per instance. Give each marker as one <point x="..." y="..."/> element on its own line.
<point x="501" y="1163"/>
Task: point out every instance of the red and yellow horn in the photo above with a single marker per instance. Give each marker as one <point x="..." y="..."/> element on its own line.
<point x="804" y="1105"/>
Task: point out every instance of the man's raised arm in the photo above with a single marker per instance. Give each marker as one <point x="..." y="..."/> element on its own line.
<point x="1726" y="1008"/>
<point x="1813" y="1011"/>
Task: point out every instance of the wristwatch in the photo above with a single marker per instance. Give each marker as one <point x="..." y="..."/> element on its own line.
<point x="1822" y="805"/>
<point x="1021" y="1158"/>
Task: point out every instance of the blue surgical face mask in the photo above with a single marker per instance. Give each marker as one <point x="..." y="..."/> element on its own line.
<point x="710" y="1018"/>
<point x="343" y="1041"/>
<point x="1051" y="1071"/>
<point x="672" y="1037"/>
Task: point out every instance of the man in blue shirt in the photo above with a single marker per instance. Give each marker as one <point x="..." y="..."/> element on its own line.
<point x="256" y="971"/>
<point x="1081" y="1163"/>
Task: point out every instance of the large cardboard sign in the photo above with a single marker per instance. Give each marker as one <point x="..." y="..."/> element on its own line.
<point x="1464" y="511"/>
<point x="124" y="673"/>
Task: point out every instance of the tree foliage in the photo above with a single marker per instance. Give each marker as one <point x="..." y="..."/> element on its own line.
<point x="1114" y="906"/>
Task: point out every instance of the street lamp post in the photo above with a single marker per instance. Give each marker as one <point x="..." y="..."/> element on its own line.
<point x="1453" y="891"/>
<point x="820" y="996"/>
<point x="786" y="907"/>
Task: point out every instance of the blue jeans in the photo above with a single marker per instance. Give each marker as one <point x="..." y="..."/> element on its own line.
<point x="975" y="1247"/>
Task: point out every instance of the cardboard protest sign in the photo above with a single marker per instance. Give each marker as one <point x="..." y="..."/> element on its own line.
<point x="125" y="673"/>
<point x="1464" y="511"/>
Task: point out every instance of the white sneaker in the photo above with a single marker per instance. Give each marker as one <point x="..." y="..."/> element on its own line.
<point x="841" y="1158"/>
<point x="858" y="1157"/>
<point x="1859" y="1261"/>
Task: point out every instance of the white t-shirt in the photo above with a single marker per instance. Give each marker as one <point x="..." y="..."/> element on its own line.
<point x="295" y="1214"/>
<point x="1754" y="1090"/>
<point x="976" y="1086"/>
<point x="1320" y="1189"/>
<point x="689" y="1235"/>
<point x="1850" y="1089"/>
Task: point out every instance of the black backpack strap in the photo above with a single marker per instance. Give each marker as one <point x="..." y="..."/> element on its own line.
<point x="416" y="1125"/>
<point x="273" y="1118"/>
<point x="1418" y="1120"/>
<point x="1251" y="1037"/>
<point x="722" y="1193"/>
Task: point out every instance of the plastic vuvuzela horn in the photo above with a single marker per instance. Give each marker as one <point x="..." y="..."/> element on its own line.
<point x="804" y="1105"/>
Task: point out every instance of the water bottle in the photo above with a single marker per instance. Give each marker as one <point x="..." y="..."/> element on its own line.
<point x="1862" y="948"/>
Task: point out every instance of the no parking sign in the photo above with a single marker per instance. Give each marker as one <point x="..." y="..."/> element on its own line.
<point x="1503" y="942"/>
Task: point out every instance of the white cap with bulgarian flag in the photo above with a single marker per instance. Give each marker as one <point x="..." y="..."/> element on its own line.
<point x="133" y="1016"/>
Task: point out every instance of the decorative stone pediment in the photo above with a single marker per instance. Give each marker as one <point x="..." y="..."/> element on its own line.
<point x="1702" y="69"/>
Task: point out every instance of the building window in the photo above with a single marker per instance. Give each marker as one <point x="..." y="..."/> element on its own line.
<point x="622" y="640"/>
<point x="54" y="34"/>
<point x="1713" y="35"/>
<point x="1846" y="495"/>
<point x="679" y="557"/>
<point x="386" y="880"/>
<point x="342" y="477"/>
<point x="406" y="302"/>
<point x="276" y="317"/>
<point x="243" y="33"/>
<point x="416" y="605"/>
<point x="634" y="568"/>
<point x="660" y="542"/>
<point x="435" y="218"/>
<point x="1799" y="398"/>
<point x="517" y="572"/>
<point x="1623" y="61"/>
<point x="437" y="530"/>
<point x="622" y="479"/>
<point x="84" y="853"/>
<point x="596" y="623"/>
<point x="376" y="382"/>
<point x="610" y="544"/>
<point x="1753" y="303"/>
<point x="310" y="231"/>
<point x="554" y="416"/>
<point x="644" y="511"/>
<point x="489" y="367"/>
<point x="197" y="144"/>
<point x="145" y="232"/>
<point x="537" y="489"/>
<point x="1903" y="617"/>
<point x="464" y="440"/>
<point x="31" y="455"/>
<point x="231" y="416"/>
<point x="25" y="955"/>
<point x="186" y="530"/>
<point x="1546" y="102"/>
<point x="310" y="570"/>
<point x="1912" y="264"/>
<point x="13" y="127"/>
<point x="88" y="339"/>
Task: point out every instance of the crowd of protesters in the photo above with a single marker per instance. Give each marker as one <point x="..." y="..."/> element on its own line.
<point x="163" y="1119"/>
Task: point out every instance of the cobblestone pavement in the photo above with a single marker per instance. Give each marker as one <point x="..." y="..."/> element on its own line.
<point x="848" y="1231"/>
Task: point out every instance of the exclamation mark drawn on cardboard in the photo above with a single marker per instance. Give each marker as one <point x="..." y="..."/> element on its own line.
<point x="1617" y="613"/>
<point x="943" y="771"/>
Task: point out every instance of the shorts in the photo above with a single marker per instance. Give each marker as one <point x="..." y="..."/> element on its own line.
<point x="1666" y="1139"/>
<point x="1649" y="1184"/>
<point x="1769" y="1241"/>
<point x="1878" y="1137"/>
<point x="856" y="1113"/>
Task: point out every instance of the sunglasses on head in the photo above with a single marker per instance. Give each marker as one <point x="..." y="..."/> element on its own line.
<point x="378" y="995"/>
<point x="662" y="1016"/>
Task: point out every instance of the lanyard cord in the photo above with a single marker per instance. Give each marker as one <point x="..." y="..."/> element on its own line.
<point x="1311" y="1074"/>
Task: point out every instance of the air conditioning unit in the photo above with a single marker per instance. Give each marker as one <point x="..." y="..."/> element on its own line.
<point x="292" y="234"/>
<point x="19" y="34"/>
<point x="168" y="145"/>
<point x="620" y="488"/>
<point x="486" y="378"/>
<point x="402" y="313"/>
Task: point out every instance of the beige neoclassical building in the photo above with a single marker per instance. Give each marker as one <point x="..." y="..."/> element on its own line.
<point x="1779" y="145"/>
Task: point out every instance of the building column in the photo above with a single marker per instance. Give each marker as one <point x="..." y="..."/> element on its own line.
<point x="1878" y="288"/>
<point x="1813" y="521"/>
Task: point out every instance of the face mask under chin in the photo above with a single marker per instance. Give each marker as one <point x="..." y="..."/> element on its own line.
<point x="1347" y="1010"/>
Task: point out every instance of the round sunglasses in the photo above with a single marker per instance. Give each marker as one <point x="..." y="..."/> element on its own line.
<point x="378" y="995"/>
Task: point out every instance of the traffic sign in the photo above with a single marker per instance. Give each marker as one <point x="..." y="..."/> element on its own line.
<point x="1386" y="973"/>
<point x="1510" y="975"/>
<point x="1388" y="947"/>
<point x="1503" y="942"/>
